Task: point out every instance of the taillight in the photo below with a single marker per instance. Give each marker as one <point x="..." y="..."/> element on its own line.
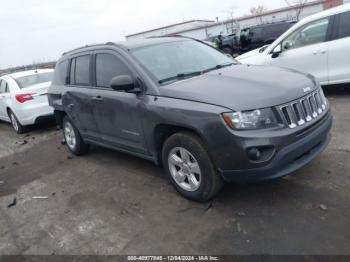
<point x="24" y="97"/>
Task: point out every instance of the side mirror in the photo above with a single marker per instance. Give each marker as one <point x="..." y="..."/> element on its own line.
<point x="277" y="51"/>
<point x="124" y="83"/>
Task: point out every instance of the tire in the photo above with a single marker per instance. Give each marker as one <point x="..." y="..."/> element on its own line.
<point x="199" y="184"/>
<point x="17" y="126"/>
<point x="73" y="139"/>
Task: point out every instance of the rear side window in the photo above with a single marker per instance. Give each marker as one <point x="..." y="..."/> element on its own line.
<point x="107" y="67"/>
<point x="344" y="25"/>
<point x="60" y="77"/>
<point x="80" y="70"/>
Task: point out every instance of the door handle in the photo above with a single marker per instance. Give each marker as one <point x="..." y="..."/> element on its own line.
<point x="323" y="51"/>
<point x="315" y="52"/>
<point x="97" y="98"/>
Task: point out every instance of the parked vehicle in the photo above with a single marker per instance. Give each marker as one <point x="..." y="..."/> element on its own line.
<point x="231" y="44"/>
<point x="319" y="45"/>
<point x="23" y="98"/>
<point x="183" y="104"/>
<point x="253" y="37"/>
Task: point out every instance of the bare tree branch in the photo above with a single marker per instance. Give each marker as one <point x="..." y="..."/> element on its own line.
<point x="258" y="11"/>
<point x="297" y="5"/>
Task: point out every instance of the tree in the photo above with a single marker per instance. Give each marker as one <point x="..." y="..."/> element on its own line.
<point x="231" y="16"/>
<point x="258" y="11"/>
<point x="297" y="5"/>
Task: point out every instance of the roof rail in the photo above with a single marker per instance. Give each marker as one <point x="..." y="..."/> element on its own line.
<point x="75" y="49"/>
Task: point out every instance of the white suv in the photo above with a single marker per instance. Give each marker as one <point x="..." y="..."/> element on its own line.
<point x="318" y="44"/>
<point x="23" y="98"/>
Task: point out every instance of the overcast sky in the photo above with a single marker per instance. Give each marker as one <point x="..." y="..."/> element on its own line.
<point x="41" y="30"/>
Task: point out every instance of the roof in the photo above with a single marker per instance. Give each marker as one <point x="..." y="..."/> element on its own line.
<point x="171" y="25"/>
<point x="326" y="13"/>
<point x="130" y="44"/>
<point x="29" y="72"/>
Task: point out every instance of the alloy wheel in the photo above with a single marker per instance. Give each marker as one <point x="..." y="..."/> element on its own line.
<point x="184" y="169"/>
<point x="69" y="135"/>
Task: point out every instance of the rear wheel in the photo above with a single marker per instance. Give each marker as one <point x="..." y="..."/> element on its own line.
<point x="189" y="167"/>
<point x="73" y="139"/>
<point x="15" y="123"/>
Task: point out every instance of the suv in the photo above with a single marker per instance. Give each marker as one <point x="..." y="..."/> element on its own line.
<point x="181" y="103"/>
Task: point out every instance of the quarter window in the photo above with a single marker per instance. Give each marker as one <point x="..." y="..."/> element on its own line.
<point x="80" y="70"/>
<point x="107" y="67"/>
<point x="60" y="77"/>
<point x="344" y="25"/>
<point x="312" y="33"/>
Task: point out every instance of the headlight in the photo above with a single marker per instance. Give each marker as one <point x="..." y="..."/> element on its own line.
<point x="255" y="119"/>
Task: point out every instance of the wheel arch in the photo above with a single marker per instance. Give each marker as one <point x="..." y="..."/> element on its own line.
<point x="163" y="131"/>
<point x="59" y="115"/>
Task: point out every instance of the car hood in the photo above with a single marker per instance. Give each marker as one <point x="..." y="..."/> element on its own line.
<point x="242" y="87"/>
<point x="249" y="54"/>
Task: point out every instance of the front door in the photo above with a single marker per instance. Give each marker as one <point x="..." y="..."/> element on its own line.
<point x="117" y="113"/>
<point x="306" y="50"/>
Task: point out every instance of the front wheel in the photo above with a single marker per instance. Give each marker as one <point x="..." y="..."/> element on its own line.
<point x="73" y="139"/>
<point x="189" y="167"/>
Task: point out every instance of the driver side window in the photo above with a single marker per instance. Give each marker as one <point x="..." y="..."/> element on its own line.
<point x="310" y="34"/>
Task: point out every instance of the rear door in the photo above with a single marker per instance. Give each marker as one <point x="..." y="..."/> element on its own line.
<point x="4" y="95"/>
<point x="339" y="50"/>
<point x="306" y="50"/>
<point x="117" y="113"/>
<point x="80" y="95"/>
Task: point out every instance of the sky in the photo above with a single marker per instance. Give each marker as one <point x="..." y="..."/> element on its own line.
<point x="41" y="30"/>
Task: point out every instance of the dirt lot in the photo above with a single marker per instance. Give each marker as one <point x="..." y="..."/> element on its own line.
<point x="110" y="203"/>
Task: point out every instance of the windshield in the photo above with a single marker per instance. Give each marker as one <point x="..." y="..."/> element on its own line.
<point x="38" y="78"/>
<point x="171" y="61"/>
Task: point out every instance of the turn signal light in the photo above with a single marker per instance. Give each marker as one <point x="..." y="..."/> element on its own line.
<point x="24" y="97"/>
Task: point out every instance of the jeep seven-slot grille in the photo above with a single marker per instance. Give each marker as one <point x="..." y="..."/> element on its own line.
<point x="305" y="109"/>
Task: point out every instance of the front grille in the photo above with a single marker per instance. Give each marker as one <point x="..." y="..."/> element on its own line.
<point x="304" y="110"/>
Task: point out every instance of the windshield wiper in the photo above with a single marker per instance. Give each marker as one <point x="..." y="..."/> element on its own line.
<point x="195" y="73"/>
<point x="180" y="76"/>
<point x="218" y="67"/>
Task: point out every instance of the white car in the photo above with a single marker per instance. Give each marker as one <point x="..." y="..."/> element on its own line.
<point x="318" y="45"/>
<point x="23" y="98"/>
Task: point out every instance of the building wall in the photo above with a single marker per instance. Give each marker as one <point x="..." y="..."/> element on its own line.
<point x="170" y="29"/>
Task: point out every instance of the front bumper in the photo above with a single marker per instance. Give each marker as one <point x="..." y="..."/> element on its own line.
<point x="289" y="159"/>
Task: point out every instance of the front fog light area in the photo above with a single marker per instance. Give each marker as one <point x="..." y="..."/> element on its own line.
<point x="260" y="153"/>
<point x="254" y="119"/>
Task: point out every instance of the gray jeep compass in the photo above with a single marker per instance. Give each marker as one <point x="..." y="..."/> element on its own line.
<point x="184" y="105"/>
